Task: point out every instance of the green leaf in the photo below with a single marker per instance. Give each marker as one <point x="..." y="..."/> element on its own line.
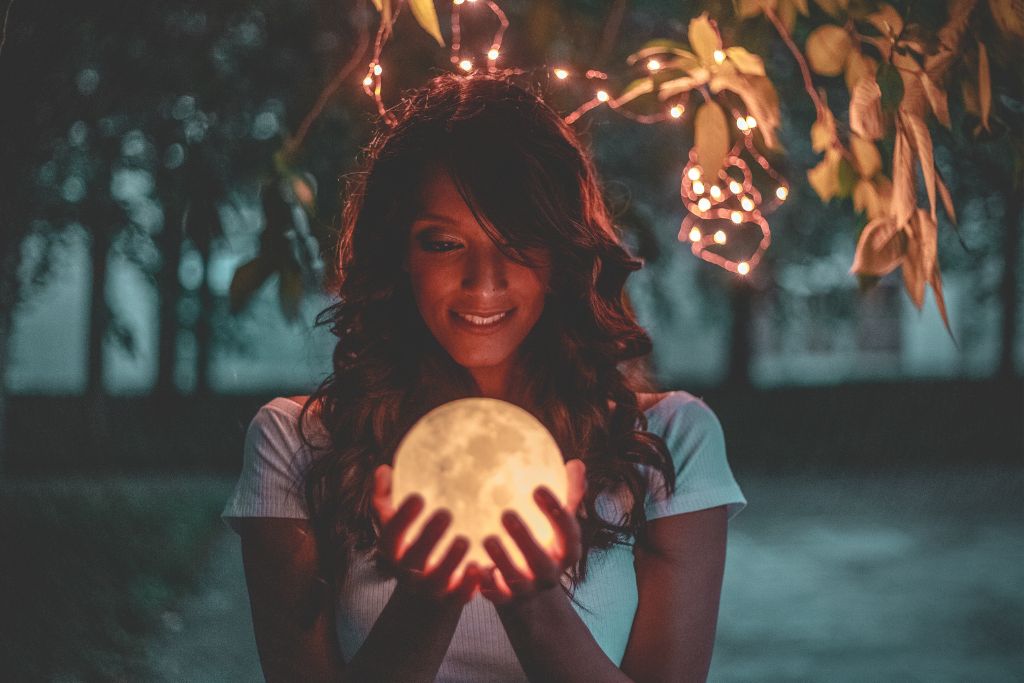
<point x="426" y="16"/>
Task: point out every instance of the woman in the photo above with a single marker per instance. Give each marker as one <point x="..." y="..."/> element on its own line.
<point x="477" y="258"/>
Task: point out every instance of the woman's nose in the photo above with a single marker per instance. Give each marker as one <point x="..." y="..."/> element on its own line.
<point x="485" y="271"/>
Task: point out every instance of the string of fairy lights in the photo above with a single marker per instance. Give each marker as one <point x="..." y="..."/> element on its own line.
<point x="725" y="210"/>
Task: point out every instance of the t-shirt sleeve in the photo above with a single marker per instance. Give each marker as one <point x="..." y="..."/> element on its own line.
<point x="696" y="442"/>
<point x="273" y="463"/>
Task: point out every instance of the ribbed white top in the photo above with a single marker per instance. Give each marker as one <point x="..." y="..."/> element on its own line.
<point x="274" y="460"/>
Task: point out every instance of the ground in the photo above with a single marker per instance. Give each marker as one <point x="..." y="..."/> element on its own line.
<point x="908" y="577"/>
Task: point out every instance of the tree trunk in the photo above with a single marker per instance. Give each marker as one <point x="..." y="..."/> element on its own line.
<point x="168" y="296"/>
<point x="741" y="295"/>
<point x="99" y="315"/>
<point x="204" y="325"/>
<point x="8" y="298"/>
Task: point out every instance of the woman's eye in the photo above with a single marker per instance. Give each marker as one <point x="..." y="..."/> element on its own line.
<point x="439" y="245"/>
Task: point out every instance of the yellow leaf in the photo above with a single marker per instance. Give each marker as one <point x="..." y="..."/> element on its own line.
<point x="914" y="274"/>
<point x="746" y="63"/>
<point x="866" y="109"/>
<point x="947" y="200"/>
<point x="937" y="99"/>
<point x="857" y="66"/>
<point x="824" y="177"/>
<point x="867" y="200"/>
<point x="887" y="20"/>
<point x="711" y="136"/>
<point x="827" y="49"/>
<point x="704" y="39"/>
<point x="984" y="85"/>
<point x="914" y="100"/>
<point x="927" y="232"/>
<point x="869" y="159"/>
<point x="759" y="97"/>
<point x="922" y="141"/>
<point x="640" y="86"/>
<point x="936" y="282"/>
<point x="801" y="6"/>
<point x="377" y="4"/>
<point x="879" y="249"/>
<point x="426" y="16"/>
<point x="823" y="130"/>
<point x="904" y="194"/>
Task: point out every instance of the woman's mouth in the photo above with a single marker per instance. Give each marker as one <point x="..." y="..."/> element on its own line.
<point x="481" y="323"/>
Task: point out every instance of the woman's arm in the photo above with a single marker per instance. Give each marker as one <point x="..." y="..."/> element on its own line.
<point x="679" y="583"/>
<point x="293" y="616"/>
<point x="552" y="642"/>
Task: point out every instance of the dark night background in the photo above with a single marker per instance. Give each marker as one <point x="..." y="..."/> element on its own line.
<point x="881" y="460"/>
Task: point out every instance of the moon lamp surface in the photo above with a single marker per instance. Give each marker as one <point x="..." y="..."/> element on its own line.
<point x="478" y="457"/>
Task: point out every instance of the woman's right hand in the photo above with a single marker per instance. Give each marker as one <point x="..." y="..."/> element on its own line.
<point x="408" y="562"/>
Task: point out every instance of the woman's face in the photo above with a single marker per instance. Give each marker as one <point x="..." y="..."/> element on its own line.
<point x="478" y="304"/>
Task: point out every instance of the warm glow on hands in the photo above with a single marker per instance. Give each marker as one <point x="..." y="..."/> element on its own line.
<point x="506" y="581"/>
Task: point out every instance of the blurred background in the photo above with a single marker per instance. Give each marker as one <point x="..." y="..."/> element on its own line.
<point x="171" y="174"/>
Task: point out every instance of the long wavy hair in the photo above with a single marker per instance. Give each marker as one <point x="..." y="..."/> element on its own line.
<point x="530" y="183"/>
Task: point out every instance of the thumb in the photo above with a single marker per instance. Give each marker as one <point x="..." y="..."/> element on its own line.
<point x="382" y="493"/>
<point x="576" y="470"/>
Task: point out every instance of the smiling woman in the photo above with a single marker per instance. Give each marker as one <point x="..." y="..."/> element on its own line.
<point x="477" y="258"/>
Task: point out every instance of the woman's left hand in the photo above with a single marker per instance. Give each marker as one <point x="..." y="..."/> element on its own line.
<point x="547" y="568"/>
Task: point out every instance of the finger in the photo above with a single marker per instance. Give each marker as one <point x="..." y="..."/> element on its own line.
<point x="440" y="577"/>
<point x="415" y="556"/>
<point x="567" y="529"/>
<point x="545" y="571"/>
<point x="515" y="580"/>
<point x="394" y="531"/>
<point x="464" y="591"/>
<point x="493" y="587"/>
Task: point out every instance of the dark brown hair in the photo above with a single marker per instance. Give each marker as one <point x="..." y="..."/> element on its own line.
<point x="517" y="164"/>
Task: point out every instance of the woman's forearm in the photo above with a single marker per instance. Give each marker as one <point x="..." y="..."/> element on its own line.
<point x="408" y="642"/>
<point x="552" y="642"/>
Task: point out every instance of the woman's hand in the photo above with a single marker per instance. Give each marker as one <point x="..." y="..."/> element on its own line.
<point x="408" y="561"/>
<point x="511" y="583"/>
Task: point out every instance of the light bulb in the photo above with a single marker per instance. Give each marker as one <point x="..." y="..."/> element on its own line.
<point x="694" y="234"/>
<point x="735" y="187"/>
<point x="782" y="192"/>
<point x="751" y="122"/>
<point x="736" y="217"/>
<point x="720" y="237"/>
<point x="716" y="191"/>
<point x="367" y="81"/>
<point x="719" y="56"/>
<point x="693" y="173"/>
<point x="698" y="187"/>
<point x="492" y="54"/>
<point x="561" y="74"/>
<point x="602" y="95"/>
<point x="741" y="123"/>
<point x="747" y="203"/>
<point x="743" y="268"/>
<point x="465" y="65"/>
<point x="704" y="204"/>
<point x="377" y="69"/>
<point x="653" y="65"/>
<point x="676" y="111"/>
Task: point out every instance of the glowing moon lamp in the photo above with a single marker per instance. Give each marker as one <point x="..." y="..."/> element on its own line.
<point x="478" y="457"/>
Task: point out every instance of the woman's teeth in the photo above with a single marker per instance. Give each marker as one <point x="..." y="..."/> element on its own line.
<point x="477" y="320"/>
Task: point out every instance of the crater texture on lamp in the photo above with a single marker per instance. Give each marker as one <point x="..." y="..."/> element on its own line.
<point x="478" y="457"/>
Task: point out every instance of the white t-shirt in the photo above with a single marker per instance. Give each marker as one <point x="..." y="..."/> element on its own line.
<point x="270" y="486"/>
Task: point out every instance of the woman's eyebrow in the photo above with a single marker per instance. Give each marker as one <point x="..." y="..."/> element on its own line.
<point x="432" y="217"/>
